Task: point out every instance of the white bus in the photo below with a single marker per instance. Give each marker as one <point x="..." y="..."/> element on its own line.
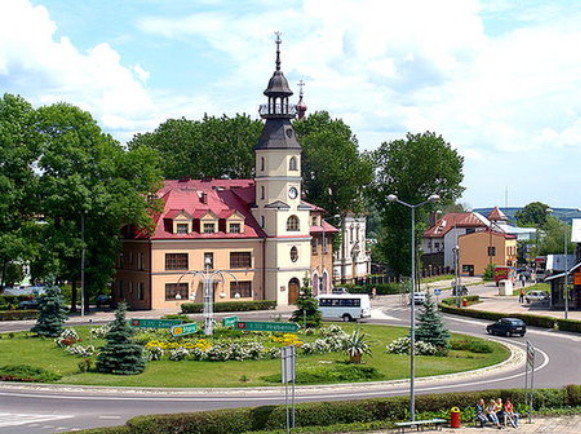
<point x="346" y="307"/>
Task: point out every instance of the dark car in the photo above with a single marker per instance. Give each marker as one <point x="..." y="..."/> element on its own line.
<point x="103" y="300"/>
<point x="29" y="304"/>
<point x="507" y="327"/>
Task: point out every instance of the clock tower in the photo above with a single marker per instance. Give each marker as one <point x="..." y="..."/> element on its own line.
<point x="278" y="206"/>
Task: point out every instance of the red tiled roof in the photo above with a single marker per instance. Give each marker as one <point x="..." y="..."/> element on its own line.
<point x="495" y="233"/>
<point x="222" y="197"/>
<point x="326" y="227"/>
<point x="451" y="220"/>
<point x="497" y="215"/>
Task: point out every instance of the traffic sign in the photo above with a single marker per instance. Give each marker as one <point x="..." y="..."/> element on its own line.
<point x="437" y="292"/>
<point x="184" y="329"/>
<point x="230" y="321"/>
<point x="255" y="326"/>
<point x="154" y="323"/>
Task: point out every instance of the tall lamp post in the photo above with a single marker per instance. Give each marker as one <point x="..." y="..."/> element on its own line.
<point x="394" y="199"/>
<point x="566" y="277"/>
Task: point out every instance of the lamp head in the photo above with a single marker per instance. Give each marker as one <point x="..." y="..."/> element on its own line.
<point x="392" y="198"/>
<point x="434" y="198"/>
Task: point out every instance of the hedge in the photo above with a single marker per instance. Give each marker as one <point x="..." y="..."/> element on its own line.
<point x="531" y="320"/>
<point x="231" y="306"/>
<point x="14" y="299"/>
<point x="569" y="325"/>
<point x="270" y="418"/>
<point x="9" y="315"/>
<point x="451" y="301"/>
<point x="381" y="288"/>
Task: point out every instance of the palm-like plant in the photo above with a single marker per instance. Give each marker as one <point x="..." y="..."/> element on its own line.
<point x="355" y="346"/>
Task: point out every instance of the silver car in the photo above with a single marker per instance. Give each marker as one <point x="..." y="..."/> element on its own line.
<point x="536" y="296"/>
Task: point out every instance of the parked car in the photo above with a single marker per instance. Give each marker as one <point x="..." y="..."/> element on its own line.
<point x="418" y="298"/>
<point x="535" y="296"/>
<point x="29" y="304"/>
<point x="103" y="300"/>
<point x="340" y="290"/>
<point x="507" y="327"/>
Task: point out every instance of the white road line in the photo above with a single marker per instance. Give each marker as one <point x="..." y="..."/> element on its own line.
<point x="109" y="417"/>
<point x="14" y="419"/>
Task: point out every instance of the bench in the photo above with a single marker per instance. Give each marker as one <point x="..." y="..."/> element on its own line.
<point x="421" y="424"/>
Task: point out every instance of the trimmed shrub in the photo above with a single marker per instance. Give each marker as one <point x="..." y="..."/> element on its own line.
<point x="27" y="373"/>
<point x="14" y="299"/>
<point x="336" y="373"/>
<point x="381" y="288"/>
<point x="451" y="301"/>
<point x="472" y="346"/>
<point x="231" y="306"/>
<point x="569" y="325"/>
<point x="530" y="320"/>
<point x="16" y="315"/>
<point x="573" y="392"/>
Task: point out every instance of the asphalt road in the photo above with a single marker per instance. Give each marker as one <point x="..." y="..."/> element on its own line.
<point x="44" y="410"/>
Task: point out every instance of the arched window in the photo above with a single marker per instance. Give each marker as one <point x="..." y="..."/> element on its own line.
<point x="294" y="254"/>
<point x="262" y="193"/>
<point x="262" y="163"/>
<point x="292" y="165"/>
<point x="292" y="224"/>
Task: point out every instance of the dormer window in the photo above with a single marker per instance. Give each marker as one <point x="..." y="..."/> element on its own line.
<point x="292" y="165"/>
<point x="209" y="228"/>
<point x="234" y="228"/>
<point x="182" y="228"/>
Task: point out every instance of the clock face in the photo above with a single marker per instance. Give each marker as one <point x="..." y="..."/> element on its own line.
<point x="293" y="193"/>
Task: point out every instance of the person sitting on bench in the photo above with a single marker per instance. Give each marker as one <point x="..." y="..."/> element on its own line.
<point x="480" y="416"/>
<point x="509" y="413"/>
<point x="491" y="410"/>
<point x="500" y="411"/>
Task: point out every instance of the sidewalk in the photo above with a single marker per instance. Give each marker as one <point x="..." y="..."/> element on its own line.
<point x="557" y="425"/>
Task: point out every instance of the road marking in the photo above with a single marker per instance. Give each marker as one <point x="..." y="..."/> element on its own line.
<point x="110" y="417"/>
<point x="14" y="419"/>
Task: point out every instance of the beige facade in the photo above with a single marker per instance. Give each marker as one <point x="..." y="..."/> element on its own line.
<point x="480" y="248"/>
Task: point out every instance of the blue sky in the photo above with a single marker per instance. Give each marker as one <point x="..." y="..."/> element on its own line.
<point x="499" y="79"/>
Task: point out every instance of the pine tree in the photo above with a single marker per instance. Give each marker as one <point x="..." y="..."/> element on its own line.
<point x="431" y="328"/>
<point x="307" y="308"/>
<point x="120" y="355"/>
<point x="53" y="314"/>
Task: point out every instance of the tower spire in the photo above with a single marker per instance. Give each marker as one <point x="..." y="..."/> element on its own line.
<point x="301" y="106"/>
<point x="278" y="41"/>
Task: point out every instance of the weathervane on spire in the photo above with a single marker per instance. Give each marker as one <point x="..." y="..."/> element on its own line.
<point x="278" y="41"/>
<point x="300" y="84"/>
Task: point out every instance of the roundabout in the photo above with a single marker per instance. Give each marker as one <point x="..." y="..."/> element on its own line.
<point x="83" y="407"/>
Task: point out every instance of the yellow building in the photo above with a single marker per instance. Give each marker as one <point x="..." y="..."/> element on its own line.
<point x="480" y="248"/>
<point x="257" y="231"/>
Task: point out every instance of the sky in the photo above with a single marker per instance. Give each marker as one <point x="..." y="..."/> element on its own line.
<point x="500" y="80"/>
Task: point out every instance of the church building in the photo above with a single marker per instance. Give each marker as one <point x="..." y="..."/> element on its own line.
<point x="258" y="232"/>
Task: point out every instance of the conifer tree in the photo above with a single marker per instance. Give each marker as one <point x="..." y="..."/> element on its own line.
<point x="120" y="355"/>
<point x="52" y="314"/>
<point x="307" y="308"/>
<point x="431" y="328"/>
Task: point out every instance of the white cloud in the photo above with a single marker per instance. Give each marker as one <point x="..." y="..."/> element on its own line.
<point x="47" y="70"/>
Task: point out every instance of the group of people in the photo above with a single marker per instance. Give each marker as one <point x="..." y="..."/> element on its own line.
<point x="495" y="412"/>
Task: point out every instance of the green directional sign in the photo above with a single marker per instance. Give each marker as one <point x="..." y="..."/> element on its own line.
<point x="154" y="323"/>
<point x="184" y="329"/>
<point x="255" y="326"/>
<point x="230" y="321"/>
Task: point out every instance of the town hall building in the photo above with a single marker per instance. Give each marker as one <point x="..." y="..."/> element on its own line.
<point x="259" y="232"/>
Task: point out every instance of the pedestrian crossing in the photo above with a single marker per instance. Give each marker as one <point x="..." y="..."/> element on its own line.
<point x="38" y="421"/>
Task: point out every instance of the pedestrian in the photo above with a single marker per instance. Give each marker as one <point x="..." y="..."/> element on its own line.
<point x="373" y="293"/>
<point x="523" y="279"/>
<point x="521" y="296"/>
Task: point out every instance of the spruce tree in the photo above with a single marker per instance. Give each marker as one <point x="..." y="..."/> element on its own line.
<point x="307" y="308"/>
<point x="120" y="355"/>
<point x="53" y="313"/>
<point x="431" y="328"/>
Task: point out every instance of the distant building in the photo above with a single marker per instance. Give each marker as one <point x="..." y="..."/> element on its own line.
<point x="353" y="259"/>
<point x="478" y="249"/>
<point x="258" y="231"/>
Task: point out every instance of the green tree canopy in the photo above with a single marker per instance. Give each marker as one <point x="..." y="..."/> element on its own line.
<point x="533" y="214"/>
<point x="19" y="144"/>
<point x="334" y="172"/>
<point x="552" y="238"/>
<point x="413" y="169"/>
<point x="213" y="147"/>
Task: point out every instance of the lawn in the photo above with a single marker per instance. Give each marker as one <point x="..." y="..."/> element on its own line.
<point x="38" y="352"/>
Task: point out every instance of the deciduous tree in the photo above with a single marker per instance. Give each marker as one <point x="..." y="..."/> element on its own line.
<point x="412" y="168"/>
<point x="533" y="214"/>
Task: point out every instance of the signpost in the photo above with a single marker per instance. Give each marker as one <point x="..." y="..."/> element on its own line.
<point x="230" y="321"/>
<point x="289" y="360"/>
<point x="437" y="293"/>
<point x="256" y="326"/>
<point x="530" y="365"/>
<point x="184" y="329"/>
<point x="154" y="323"/>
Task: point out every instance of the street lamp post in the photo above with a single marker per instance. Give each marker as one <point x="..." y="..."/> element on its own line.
<point x="394" y="199"/>
<point x="566" y="277"/>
